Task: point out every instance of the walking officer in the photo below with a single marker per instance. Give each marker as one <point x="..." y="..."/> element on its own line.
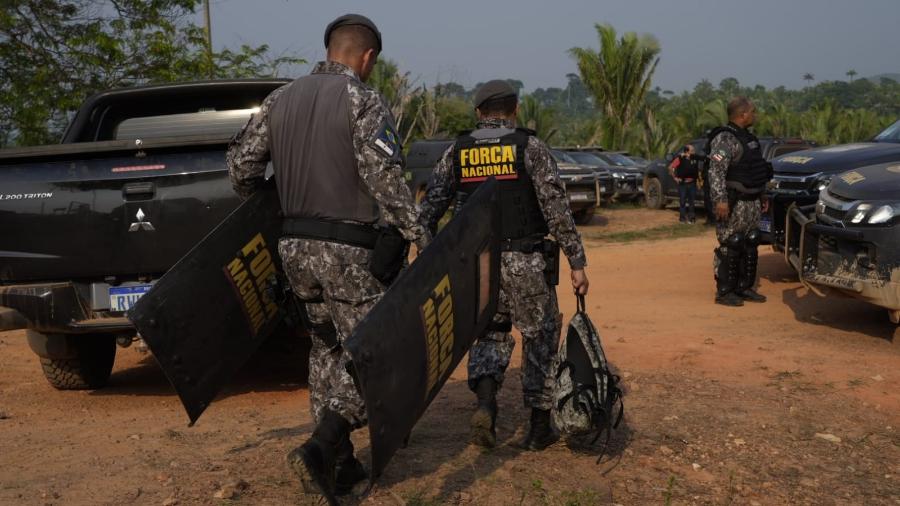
<point x="338" y="168"/>
<point x="533" y="203"/>
<point x="738" y="176"/>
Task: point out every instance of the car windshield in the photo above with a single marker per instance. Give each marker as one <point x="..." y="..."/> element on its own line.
<point x="619" y="160"/>
<point x="587" y="158"/>
<point x="890" y="134"/>
<point x="562" y="157"/>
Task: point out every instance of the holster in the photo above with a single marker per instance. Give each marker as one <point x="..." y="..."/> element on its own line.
<point x="388" y="255"/>
<point x="550" y="250"/>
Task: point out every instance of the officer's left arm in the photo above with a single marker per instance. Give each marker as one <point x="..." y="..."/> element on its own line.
<point x="439" y="193"/>
<point x="554" y="201"/>
<point x="248" y="152"/>
<point x="380" y="165"/>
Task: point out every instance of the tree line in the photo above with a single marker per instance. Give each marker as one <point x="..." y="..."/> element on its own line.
<point x="53" y="54"/>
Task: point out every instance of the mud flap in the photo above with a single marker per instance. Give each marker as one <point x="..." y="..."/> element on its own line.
<point x="209" y="313"/>
<point x="412" y="340"/>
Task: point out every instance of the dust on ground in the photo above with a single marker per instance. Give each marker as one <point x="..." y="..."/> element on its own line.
<point x="794" y="401"/>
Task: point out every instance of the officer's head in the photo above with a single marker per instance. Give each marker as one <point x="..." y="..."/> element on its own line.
<point x="741" y="112"/>
<point x="496" y="99"/>
<point x="355" y="41"/>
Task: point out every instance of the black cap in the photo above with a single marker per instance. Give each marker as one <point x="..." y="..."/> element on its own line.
<point x="493" y="90"/>
<point x="353" y="19"/>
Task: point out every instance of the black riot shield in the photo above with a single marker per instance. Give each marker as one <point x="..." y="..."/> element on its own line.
<point x="209" y="313"/>
<point x="413" y="339"/>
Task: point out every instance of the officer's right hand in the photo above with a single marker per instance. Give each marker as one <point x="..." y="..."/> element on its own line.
<point x="580" y="281"/>
<point x="722" y="211"/>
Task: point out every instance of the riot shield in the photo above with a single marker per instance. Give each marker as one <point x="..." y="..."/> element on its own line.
<point x="412" y="340"/>
<point x="209" y="313"/>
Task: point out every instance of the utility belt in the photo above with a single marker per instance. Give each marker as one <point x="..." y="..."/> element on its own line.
<point x="739" y="192"/>
<point x="389" y="248"/>
<point x="548" y="248"/>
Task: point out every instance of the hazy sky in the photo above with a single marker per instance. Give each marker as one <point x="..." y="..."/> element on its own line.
<point x="768" y="42"/>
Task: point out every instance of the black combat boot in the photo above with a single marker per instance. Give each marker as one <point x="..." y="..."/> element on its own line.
<point x="348" y="470"/>
<point x="540" y="433"/>
<point x="484" y="420"/>
<point x="749" y="259"/>
<point x="314" y="461"/>
<point x="727" y="276"/>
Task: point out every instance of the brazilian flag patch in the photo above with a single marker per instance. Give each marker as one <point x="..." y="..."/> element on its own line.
<point x="387" y="141"/>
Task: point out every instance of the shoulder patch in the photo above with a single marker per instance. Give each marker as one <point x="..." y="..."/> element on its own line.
<point x="719" y="155"/>
<point x="387" y="141"/>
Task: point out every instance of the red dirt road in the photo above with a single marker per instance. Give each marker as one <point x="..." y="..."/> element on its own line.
<point x="795" y="401"/>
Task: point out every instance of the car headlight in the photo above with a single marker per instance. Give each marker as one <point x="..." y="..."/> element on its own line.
<point x="823" y="183"/>
<point x="859" y="214"/>
<point x="618" y="175"/>
<point x="881" y="215"/>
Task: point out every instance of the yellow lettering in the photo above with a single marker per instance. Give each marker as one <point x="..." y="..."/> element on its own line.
<point x="509" y="154"/>
<point x="495" y="154"/>
<point x="463" y="156"/>
<point x="254" y="245"/>
<point x="246" y="285"/>
<point x="260" y="263"/>
<point x="443" y="287"/>
<point x="484" y="154"/>
<point x="235" y="266"/>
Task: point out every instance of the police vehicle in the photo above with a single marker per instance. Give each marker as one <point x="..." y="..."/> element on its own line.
<point x="849" y="240"/>
<point x="801" y="175"/>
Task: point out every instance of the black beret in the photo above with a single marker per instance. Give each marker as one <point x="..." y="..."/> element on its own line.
<point x="493" y="90"/>
<point x="353" y="19"/>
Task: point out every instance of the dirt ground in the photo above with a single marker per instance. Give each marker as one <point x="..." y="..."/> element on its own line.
<point x="795" y="401"/>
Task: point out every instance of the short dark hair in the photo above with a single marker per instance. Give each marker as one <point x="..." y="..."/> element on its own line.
<point x="505" y="106"/>
<point x="738" y="105"/>
<point x="355" y="38"/>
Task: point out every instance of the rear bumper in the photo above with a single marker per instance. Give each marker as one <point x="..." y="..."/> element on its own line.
<point x="58" y="308"/>
<point x="583" y="194"/>
<point x="860" y="262"/>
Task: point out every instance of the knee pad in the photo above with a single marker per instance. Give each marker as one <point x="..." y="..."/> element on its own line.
<point x="752" y="238"/>
<point x="733" y="244"/>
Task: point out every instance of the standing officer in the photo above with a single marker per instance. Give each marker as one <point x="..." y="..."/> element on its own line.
<point x="738" y="176"/>
<point x="533" y="202"/>
<point x="338" y="169"/>
<point x="684" y="171"/>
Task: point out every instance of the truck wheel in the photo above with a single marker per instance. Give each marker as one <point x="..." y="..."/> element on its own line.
<point x="90" y="366"/>
<point x="653" y="193"/>
<point x="584" y="216"/>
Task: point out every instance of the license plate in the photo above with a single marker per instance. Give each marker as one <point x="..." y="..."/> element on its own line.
<point x="122" y="298"/>
<point x="602" y="188"/>
<point x="765" y="225"/>
<point x="581" y="197"/>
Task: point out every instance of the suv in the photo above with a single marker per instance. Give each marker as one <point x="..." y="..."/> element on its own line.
<point x="627" y="179"/>
<point x="801" y="175"/>
<point x="660" y="188"/>
<point x="849" y="241"/>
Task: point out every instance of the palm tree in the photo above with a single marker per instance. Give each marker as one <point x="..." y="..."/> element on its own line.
<point x="618" y="76"/>
<point x="851" y="74"/>
<point x="809" y="78"/>
<point x="536" y="117"/>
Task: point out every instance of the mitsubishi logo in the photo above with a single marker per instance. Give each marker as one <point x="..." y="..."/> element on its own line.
<point x="140" y="224"/>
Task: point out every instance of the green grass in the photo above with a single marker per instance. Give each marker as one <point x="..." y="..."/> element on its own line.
<point x="674" y="231"/>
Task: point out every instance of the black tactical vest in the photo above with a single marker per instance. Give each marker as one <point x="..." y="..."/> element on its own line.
<point x="752" y="171"/>
<point x="311" y="144"/>
<point x="477" y="159"/>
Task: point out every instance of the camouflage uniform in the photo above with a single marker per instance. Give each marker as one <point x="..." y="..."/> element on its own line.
<point x="744" y="215"/>
<point x="334" y="276"/>
<point x="526" y="299"/>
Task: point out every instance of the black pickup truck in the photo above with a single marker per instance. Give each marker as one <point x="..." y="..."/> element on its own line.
<point x="849" y="240"/>
<point x="800" y="176"/>
<point x="660" y="187"/>
<point x="88" y="225"/>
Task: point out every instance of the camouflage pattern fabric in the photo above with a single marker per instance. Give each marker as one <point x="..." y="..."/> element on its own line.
<point x="382" y="173"/>
<point x="550" y="192"/>
<point x="338" y="275"/>
<point x="579" y="410"/>
<point x="525" y="298"/>
<point x="335" y="273"/>
<point x="530" y="304"/>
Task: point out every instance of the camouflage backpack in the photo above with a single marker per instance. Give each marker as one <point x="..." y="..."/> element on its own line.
<point x="587" y="392"/>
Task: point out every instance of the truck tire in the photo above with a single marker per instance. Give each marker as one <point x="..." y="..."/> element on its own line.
<point x="90" y="366"/>
<point x="584" y="216"/>
<point x="653" y="193"/>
